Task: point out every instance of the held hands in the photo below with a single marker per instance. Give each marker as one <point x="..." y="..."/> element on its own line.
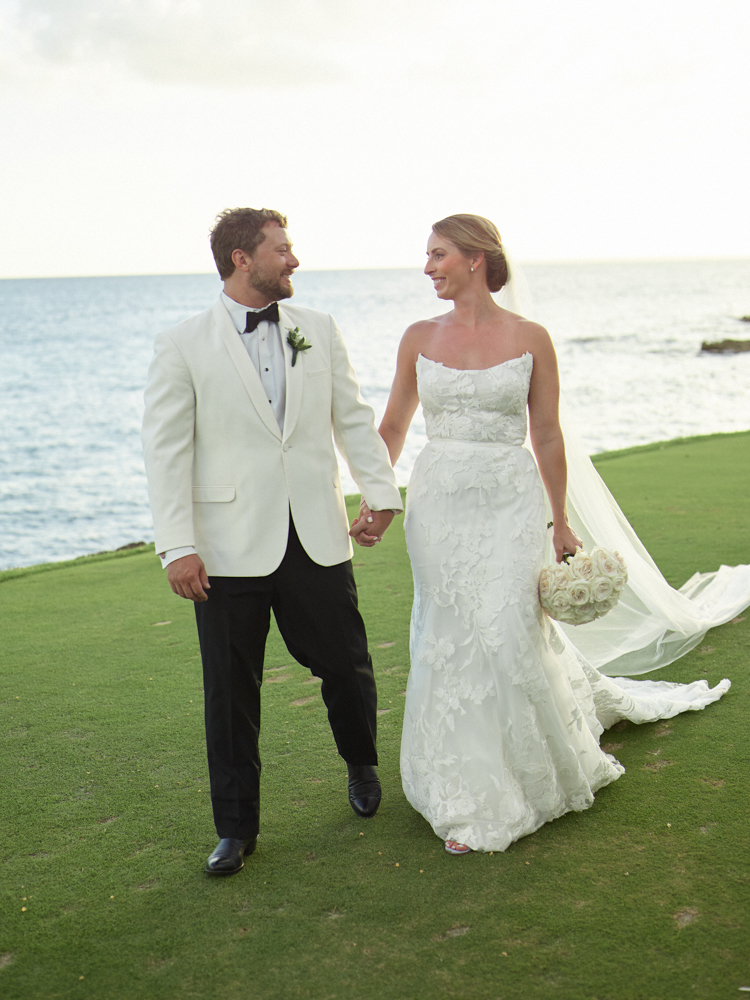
<point x="564" y="539"/>
<point x="188" y="578"/>
<point x="368" y="529"/>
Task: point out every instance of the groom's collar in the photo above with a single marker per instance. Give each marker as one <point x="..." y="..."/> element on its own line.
<point x="237" y="311"/>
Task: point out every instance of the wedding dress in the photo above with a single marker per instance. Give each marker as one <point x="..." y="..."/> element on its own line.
<point x="503" y="712"/>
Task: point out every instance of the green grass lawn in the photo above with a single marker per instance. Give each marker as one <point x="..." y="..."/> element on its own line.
<point x="106" y="819"/>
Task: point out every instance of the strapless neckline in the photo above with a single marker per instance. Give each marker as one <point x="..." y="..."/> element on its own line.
<point x="472" y="371"/>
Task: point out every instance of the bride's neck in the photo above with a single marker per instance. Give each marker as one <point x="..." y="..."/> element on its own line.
<point x="471" y="308"/>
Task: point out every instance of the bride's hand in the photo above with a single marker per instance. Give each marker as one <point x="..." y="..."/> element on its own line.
<point x="363" y="537"/>
<point x="564" y="539"/>
<point x="370" y="526"/>
<point x="364" y="511"/>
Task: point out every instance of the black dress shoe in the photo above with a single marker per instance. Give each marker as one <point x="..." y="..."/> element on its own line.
<point x="364" y="789"/>
<point x="229" y="855"/>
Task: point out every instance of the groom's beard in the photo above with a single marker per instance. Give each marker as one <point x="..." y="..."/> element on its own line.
<point x="273" y="288"/>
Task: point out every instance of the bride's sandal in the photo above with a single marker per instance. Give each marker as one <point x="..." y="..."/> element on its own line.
<point x="453" y="847"/>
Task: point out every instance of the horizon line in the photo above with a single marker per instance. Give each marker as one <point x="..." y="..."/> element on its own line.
<point x="385" y="267"/>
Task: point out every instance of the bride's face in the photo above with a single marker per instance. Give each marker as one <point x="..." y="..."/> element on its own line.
<point x="446" y="266"/>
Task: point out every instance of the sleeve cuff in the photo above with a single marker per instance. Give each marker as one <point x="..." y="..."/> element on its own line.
<point x="172" y="554"/>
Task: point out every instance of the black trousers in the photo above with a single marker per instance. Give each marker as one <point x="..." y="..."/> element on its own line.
<point x="315" y="608"/>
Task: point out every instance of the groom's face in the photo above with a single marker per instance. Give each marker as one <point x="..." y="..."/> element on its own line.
<point x="273" y="264"/>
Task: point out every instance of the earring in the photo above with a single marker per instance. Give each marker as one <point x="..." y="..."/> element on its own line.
<point x="472" y="268"/>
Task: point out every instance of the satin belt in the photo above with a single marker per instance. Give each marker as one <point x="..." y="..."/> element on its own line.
<point x="473" y="443"/>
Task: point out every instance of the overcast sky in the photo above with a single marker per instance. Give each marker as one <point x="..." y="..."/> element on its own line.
<point x="583" y="129"/>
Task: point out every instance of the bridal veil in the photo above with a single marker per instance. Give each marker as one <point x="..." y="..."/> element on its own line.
<point x="653" y="624"/>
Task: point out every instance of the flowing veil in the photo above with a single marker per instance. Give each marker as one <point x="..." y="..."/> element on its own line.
<point x="653" y="624"/>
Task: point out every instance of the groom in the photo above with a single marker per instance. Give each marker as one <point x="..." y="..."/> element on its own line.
<point x="242" y="405"/>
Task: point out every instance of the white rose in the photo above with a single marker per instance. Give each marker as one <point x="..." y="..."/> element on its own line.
<point x="559" y="601"/>
<point x="545" y="585"/>
<point x="584" y="567"/>
<point x="562" y="614"/>
<point x="608" y="564"/>
<point x="602" y="589"/>
<point x="619" y="581"/>
<point x="579" y="592"/>
<point x="581" y="616"/>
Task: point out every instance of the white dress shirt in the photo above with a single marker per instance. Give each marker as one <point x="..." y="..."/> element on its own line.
<point x="266" y="351"/>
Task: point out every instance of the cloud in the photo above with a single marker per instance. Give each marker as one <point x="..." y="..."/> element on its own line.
<point x="288" y="44"/>
<point x="225" y="43"/>
<point x="271" y="44"/>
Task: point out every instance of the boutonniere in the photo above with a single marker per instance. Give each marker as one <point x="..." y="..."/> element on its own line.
<point x="297" y="343"/>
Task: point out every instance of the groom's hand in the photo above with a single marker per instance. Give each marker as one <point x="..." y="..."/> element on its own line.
<point x="188" y="578"/>
<point x="370" y="526"/>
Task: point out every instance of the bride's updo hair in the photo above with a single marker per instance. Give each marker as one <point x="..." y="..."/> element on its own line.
<point x="474" y="234"/>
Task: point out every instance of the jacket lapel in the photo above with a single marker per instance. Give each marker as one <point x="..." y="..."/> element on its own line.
<point x="245" y="368"/>
<point x="295" y="377"/>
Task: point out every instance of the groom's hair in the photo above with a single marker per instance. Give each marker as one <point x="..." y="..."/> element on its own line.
<point x="240" y="229"/>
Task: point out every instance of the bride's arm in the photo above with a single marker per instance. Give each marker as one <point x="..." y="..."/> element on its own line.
<point x="404" y="399"/>
<point x="547" y="440"/>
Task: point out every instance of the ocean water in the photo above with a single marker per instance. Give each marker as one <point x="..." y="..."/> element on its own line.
<point x="74" y="354"/>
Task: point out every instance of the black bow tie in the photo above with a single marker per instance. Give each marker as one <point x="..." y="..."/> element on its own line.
<point x="270" y="314"/>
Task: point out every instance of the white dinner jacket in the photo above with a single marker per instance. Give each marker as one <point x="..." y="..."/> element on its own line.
<point x="221" y="475"/>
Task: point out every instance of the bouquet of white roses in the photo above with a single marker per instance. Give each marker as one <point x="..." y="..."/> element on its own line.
<point x="583" y="587"/>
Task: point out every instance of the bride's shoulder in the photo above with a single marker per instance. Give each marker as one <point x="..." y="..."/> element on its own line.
<point x="531" y="334"/>
<point x="426" y="325"/>
<point x="418" y="333"/>
<point x="509" y="318"/>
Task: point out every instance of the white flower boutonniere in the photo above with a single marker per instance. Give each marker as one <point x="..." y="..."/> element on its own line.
<point x="297" y="343"/>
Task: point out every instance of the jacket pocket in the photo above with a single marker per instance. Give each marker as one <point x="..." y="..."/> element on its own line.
<point x="213" y="494"/>
<point x="318" y="372"/>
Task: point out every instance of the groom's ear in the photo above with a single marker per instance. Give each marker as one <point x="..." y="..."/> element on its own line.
<point x="242" y="261"/>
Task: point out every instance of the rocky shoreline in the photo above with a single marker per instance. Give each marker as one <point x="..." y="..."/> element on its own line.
<point x="726" y="346"/>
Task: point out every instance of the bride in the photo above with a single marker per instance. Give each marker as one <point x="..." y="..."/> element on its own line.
<point x="503" y="712"/>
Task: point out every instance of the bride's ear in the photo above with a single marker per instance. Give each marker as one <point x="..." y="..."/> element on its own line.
<point x="475" y="260"/>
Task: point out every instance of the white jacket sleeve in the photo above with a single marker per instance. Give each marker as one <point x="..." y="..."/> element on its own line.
<point x="168" y="434"/>
<point x="356" y="436"/>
